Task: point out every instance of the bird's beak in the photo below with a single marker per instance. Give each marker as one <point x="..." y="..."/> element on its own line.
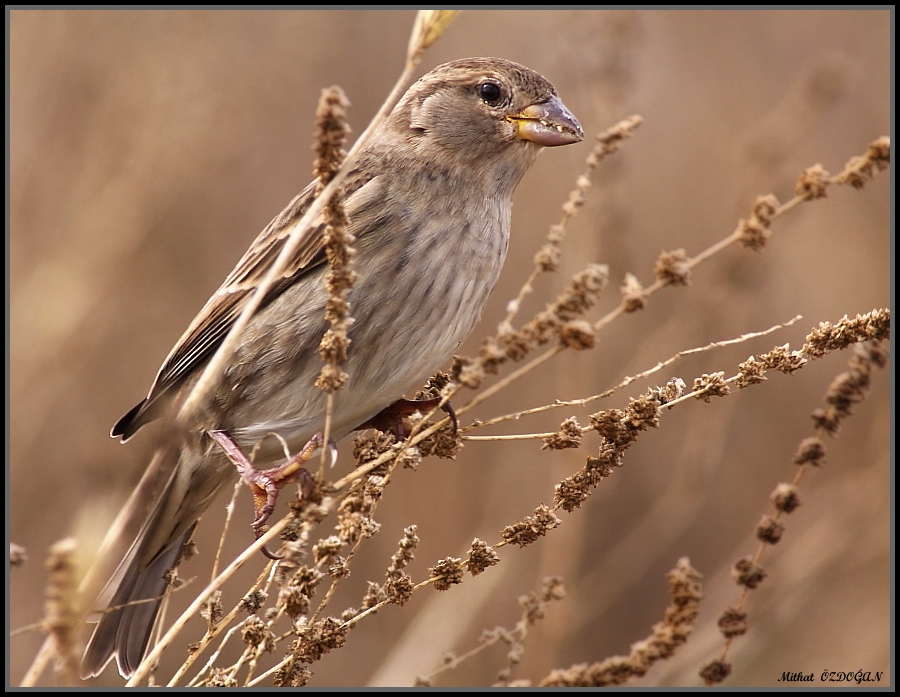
<point x="548" y="123"/>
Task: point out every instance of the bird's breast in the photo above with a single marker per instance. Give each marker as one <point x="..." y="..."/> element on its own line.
<point x="424" y="276"/>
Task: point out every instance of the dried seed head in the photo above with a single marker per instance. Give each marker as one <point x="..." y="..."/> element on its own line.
<point x="530" y="528"/>
<point x="746" y="573"/>
<point x="568" y="436"/>
<point x="448" y="572"/>
<point x="429" y="26"/>
<point x="715" y="672"/>
<point x="481" y="556"/>
<point x="769" y="530"/>
<point x="708" y="386"/>
<point x="812" y="183"/>
<point x="673" y="268"/>
<point x="733" y="623"/>
<point x="811" y="451"/>
<point x="862" y="168"/>
<point x="633" y="297"/>
<point x="786" y="497"/>
<point x="751" y="372"/>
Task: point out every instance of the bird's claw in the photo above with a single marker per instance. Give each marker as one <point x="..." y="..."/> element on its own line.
<point x="265" y="484"/>
<point x="391" y="418"/>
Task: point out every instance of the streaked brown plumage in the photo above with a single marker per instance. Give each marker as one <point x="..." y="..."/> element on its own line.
<point x="429" y="202"/>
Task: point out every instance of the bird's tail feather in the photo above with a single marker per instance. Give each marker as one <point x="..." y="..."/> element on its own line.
<point x="124" y="632"/>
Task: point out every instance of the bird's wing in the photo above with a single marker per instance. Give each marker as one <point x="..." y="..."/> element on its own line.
<point x="214" y="321"/>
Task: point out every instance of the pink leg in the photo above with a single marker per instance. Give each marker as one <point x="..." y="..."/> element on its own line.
<point x="265" y="484"/>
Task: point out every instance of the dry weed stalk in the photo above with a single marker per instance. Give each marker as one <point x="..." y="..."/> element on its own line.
<point x="534" y="608"/>
<point x="847" y="389"/>
<point x="332" y="131"/>
<point x="63" y="610"/>
<point x="667" y="636"/>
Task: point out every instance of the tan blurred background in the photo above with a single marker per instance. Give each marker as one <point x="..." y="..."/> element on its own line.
<point x="147" y="149"/>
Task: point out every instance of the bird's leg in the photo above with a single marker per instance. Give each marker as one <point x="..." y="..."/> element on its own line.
<point x="265" y="484"/>
<point x="390" y="419"/>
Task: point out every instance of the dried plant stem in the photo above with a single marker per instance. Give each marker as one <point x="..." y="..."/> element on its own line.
<point x="196" y="682"/>
<point x="624" y="383"/>
<point x="332" y="588"/>
<point x="826" y="338"/>
<point x="534" y="606"/>
<point x="91" y="578"/>
<point x="384" y="603"/>
<point x="153" y="656"/>
<point x="257" y="681"/>
<point x="229" y="512"/>
<point x="331" y="137"/>
<point x="501" y="384"/>
<point x="674" y="268"/>
<point x="62" y="611"/>
<point x="547" y="257"/>
<point x="213" y="631"/>
<point x="846" y="390"/>
<point x="667" y="636"/>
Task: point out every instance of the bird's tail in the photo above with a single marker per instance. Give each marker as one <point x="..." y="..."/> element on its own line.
<point x="133" y="594"/>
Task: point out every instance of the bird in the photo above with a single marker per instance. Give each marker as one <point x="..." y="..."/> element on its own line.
<point x="429" y="202"/>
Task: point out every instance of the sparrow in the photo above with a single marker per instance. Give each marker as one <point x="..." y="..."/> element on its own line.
<point x="429" y="202"/>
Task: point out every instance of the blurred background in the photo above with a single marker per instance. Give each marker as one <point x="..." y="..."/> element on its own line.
<point x="148" y="148"/>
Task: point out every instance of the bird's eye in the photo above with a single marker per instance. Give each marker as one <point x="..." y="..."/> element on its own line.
<point x="490" y="92"/>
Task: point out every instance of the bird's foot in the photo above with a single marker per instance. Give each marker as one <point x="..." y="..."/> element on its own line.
<point x="265" y="484"/>
<point x="391" y="419"/>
